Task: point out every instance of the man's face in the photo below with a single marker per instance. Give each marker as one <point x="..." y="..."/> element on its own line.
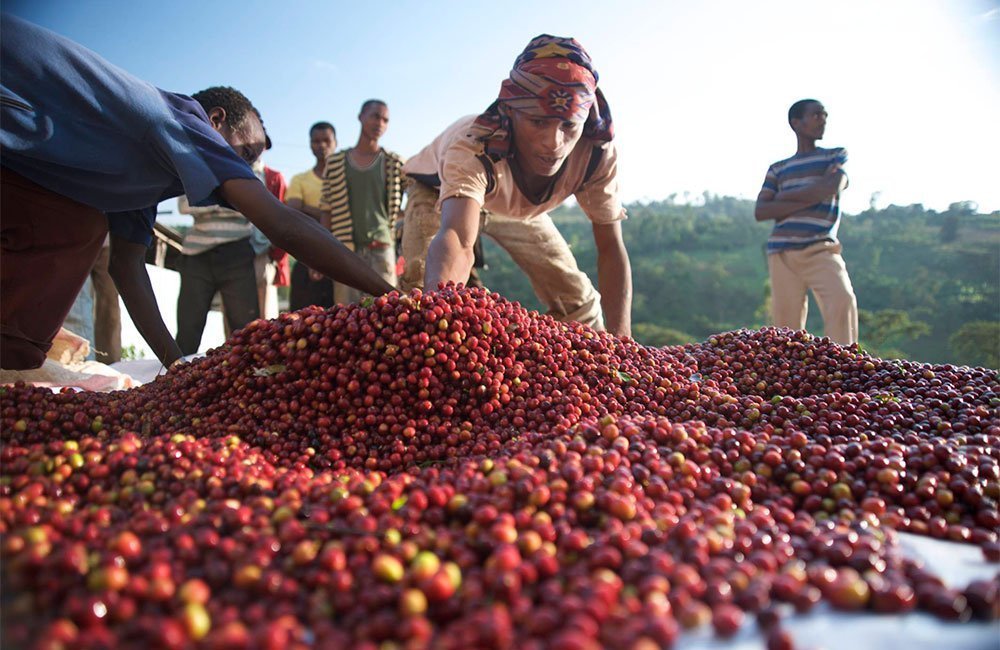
<point x="374" y="121"/>
<point x="246" y="139"/>
<point x="812" y="123"/>
<point x="322" y="142"/>
<point x="542" y="144"/>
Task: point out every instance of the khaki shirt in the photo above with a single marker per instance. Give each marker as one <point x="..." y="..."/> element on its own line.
<point x="453" y="157"/>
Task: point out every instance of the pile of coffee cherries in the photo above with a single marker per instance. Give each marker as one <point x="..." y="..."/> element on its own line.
<point x="448" y="470"/>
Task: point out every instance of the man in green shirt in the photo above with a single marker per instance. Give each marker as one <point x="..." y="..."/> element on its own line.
<point x="361" y="197"/>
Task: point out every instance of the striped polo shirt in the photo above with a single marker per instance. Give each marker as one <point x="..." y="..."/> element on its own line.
<point x="213" y="226"/>
<point x="817" y="222"/>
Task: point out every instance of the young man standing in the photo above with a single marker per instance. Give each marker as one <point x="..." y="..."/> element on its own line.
<point x="362" y="193"/>
<point x="802" y="195"/>
<point x="217" y="257"/>
<point x="546" y="137"/>
<point x="75" y="167"/>
<point x="304" y="194"/>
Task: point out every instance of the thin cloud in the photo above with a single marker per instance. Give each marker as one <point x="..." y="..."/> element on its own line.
<point x="327" y="66"/>
<point x="992" y="14"/>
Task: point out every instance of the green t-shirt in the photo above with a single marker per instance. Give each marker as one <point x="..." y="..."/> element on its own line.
<point x="367" y="197"/>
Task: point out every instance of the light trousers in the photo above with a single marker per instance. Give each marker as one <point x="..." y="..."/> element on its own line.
<point x="535" y="245"/>
<point x="381" y="259"/>
<point x="821" y="269"/>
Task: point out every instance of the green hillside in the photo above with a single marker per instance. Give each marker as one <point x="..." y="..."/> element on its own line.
<point x="927" y="282"/>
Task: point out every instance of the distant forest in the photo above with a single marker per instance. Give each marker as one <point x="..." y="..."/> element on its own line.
<point x="927" y="282"/>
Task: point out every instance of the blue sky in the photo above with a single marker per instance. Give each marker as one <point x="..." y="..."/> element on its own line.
<point x="698" y="90"/>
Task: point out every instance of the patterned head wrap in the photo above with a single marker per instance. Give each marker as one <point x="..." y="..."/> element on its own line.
<point x="552" y="77"/>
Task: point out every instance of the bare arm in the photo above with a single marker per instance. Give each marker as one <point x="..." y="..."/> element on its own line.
<point x="777" y="206"/>
<point x="768" y="207"/>
<point x="824" y="188"/>
<point x="614" y="278"/>
<point x="325" y="219"/>
<point x="320" y="215"/>
<point x="813" y="193"/>
<point x="450" y="255"/>
<point x="127" y="267"/>
<point x="304" y="238"/>
<point x="316" y="213"/>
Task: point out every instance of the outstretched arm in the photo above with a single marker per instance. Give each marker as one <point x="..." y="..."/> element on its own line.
<point x="614" y="278"/>
<point x="316" y="213"/>
<point x="320" y="215"/>
<point x="769" y="207"/>
<point x="450" y="256"/>
<point x="127" y="267"/>
<point x="301" y="236"/>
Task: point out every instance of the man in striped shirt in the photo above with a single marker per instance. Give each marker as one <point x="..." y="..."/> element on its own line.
<point x="802" y="195"/>
<point x="217" y="256"/>
<point x="362" y="193"/>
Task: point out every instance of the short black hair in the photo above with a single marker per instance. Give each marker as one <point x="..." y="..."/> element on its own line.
<point x="372" y="102"/>
<point x="235" y="103"/>
<point x="798" y="109"/>
<point x="267" y="138"/>
<point x="318" y="126"/>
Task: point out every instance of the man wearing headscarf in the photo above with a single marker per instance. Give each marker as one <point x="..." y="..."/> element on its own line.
<point x="547" y="136"/>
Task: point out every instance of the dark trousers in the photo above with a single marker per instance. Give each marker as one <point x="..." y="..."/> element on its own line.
<point x="305" y="291"/>
<point x="48" y="244"/>
<point x="226" y="269"/>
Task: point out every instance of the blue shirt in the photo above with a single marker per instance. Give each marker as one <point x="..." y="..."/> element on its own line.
<point x="86" y="129"/>
<point x="816" y="223"/>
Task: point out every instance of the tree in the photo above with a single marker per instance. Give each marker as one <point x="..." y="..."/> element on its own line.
<point x="888" y="325"/>
<point x="658" y="336"/>
<point x="949" y="228"/>
<point x="702" y="269"/>
<point x="977" y="344"/>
